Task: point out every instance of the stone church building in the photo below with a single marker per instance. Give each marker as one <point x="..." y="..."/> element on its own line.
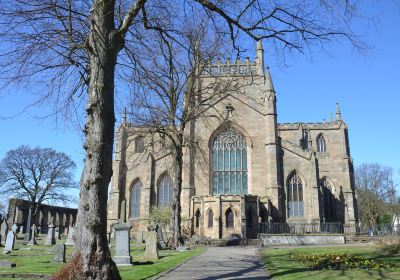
<point x="246" y="169"/>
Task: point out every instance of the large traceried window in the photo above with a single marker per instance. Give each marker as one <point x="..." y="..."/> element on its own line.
<point x="165" y="191"/>
<point x="135" y="199"/>
<point x="329" y="201"/>
<point x="321" y="144"/>
<point x="295" y="197"/>
<point x="229" y="163"/>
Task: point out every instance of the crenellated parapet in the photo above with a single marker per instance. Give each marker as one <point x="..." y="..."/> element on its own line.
<point x="238" y="68"/>
<point x="311" y="126"/>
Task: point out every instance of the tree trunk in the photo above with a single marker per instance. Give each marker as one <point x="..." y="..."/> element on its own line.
<point x="176" y="206"/>
<point x="91" y="240"/>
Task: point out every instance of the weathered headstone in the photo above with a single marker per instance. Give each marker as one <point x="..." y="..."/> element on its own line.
<point x="139" y="237"/>
<point x="10" y="241"/>
<point x="33" y="242"/>
<point x="161" y="241"/>
<point x="14" y="228"/>
<point x="7" y="264"/>
<point x="70" y="238"/>
<point x="50" y="240"/>
<point x="28" y="232"/>
<point x="57" y="230"/>
<point x="151" y="251"/>
<point x="21" y="229"/>
<point x="122" y="244"/>
<point x="58" y="253"/>
<point x="3" y="231"/>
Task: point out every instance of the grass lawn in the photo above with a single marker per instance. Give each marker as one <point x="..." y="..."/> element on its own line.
<point x="38" y="261"/>
<point x="280" y="265"/>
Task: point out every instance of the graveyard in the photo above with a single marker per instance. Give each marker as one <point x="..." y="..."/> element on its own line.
<point x="41" y="261"/>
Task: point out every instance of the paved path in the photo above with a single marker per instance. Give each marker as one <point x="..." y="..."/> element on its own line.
<point x="221" y="263"/>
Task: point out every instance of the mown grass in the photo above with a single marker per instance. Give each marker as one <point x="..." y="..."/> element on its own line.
<point x="38" y="261"/>
<point x="280" y="265"/>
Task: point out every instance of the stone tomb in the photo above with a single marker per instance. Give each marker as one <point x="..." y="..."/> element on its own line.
<point x="58" y="253"/>
<point x="122" y="244"/>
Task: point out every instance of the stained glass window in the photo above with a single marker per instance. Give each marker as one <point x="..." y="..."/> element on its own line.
<point x="295" y="197"/>
<point x="165" y="191"/>
<point x="135" y="199"/>
<point x="321" y="144"/>
<point x="229" y="163"/>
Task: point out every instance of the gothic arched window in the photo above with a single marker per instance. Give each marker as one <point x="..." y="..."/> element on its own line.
<point x="229" y="218"/>
<point x="135" y="199"/>
<point x="139" y="144"/>
<point x="321" y="144"/>
<point x="165" y="191"/>
<point x="329" y="201"/>
<point x="295" y="196"/>
<point x="229" y="163"/>
<point x="210" y="218"/>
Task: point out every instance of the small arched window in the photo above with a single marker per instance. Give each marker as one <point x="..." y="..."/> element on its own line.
<point x="165" y="191"/>
<point x="295" y="196"/>
<point x="210" y="218"/>
<point x="135" y="199"/>
<point x="229" y="218"/>
<point x="198" y="218"/>
<point x="139" y="144"/>
<point x="321" y="144"/>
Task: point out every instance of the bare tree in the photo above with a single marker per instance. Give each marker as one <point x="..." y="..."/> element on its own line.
<point x="37" y="175"/>
<point x="76" y="45"/>
<point x="375" y="189"/>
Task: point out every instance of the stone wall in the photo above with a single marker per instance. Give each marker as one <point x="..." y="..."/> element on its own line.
<point x="273" y="240"/>
<point x="62" y="217"/>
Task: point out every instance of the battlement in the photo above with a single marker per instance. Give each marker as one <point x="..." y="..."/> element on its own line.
<point x="316" y="125"/>
<point x="229" y="68"/>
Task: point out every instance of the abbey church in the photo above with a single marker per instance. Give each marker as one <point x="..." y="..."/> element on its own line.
<point x="246" y="168"/>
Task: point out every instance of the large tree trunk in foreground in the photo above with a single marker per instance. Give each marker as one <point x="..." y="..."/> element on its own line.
<point x="91" y="238"/>
<point x="176" y="206"/>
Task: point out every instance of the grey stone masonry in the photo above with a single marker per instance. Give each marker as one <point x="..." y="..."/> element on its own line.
<point x="51" y="239"/>
<point x="122" y="244"/>
<point x="59" y="253"/>
<point x="27" y="236"/>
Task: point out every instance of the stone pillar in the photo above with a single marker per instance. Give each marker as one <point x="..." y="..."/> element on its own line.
<point x="28" y="232"/>
<point x="33" y="242"/>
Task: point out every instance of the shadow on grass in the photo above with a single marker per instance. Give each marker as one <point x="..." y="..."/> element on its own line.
<point x="142" y="263"/>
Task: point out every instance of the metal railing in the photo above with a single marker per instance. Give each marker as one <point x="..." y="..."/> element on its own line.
<point x="379" y="230"/>
<point x="300" y="228"/>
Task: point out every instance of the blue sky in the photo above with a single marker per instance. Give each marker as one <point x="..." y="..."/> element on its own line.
<point x="366" y="86"/>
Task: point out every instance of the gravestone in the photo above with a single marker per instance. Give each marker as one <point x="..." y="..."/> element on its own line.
<point x="161" y="241"/>
<point x="7" y="264"/>
<point x="58" y="253"/>
<point x="57" y="230"/>
<point x="70" y="238"/>
<point x="50" y="240"/>
<point x="3" y="231"/>
<point x="21" y="230"/>
<point x="28" y="233"/>
<point x="14" y="228"/>
<point x="33" y="242"/>
<point x="182" y="248"/>
<point x="10" y="242"/>
<point x="151" y="251"/>
<point x="139" y="237"/>
<point x="122" y="244"/>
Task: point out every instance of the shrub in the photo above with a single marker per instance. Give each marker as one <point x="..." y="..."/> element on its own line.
<point x="71" y="270"/>
<point x="340" y="261"/>
<point x="390" y="245"/>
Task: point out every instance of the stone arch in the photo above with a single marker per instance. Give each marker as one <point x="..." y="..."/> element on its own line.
<point x="236" y="127"/>
<point x="295" y="194"/>
<point x="209" y="217"/>
<point x="229" y="217"/>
